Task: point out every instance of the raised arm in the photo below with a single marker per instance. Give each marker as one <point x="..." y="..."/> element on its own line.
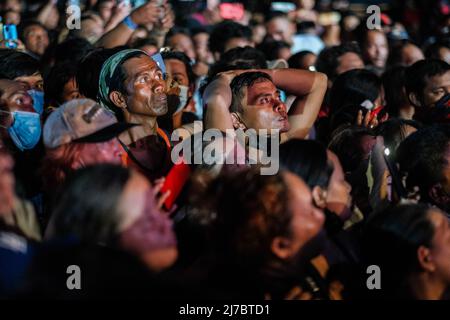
<point x="217" y="100"/>
<point x="309" y="88"/>
<point x="148" y="13"/>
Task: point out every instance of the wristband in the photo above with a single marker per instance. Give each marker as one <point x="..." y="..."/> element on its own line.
<point x="130" y="24"/>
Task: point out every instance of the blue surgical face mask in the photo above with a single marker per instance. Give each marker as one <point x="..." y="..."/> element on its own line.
<point x="38" y="100"/>
<point x="25" y="130"/>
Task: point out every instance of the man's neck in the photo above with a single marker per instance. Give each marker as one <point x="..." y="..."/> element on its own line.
<point x="147" y="127"/>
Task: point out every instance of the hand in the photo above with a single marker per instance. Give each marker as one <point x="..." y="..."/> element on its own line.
<point x="149" y="13"/>
<point x="168" y="18"/>
<point x="368" y="121"/>
<point x="121" y="11"/>
<point x="161" y="197"/>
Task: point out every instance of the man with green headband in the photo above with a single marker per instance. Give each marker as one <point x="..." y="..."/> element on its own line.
<point x="131" y="85"/>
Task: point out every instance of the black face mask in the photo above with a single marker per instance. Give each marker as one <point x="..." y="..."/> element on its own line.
<point x="438" y="112"/>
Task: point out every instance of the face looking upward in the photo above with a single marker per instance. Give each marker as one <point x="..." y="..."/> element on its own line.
<point x="145" y="87"/>
<point x="262" y="108"/>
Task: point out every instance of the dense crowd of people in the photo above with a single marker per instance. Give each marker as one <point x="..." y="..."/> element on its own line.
<point x="135" y="138"/>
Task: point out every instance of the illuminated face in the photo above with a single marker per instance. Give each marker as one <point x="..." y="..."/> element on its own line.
<point x="145" y="87"/>
<point x="36" y="39"/>
<point x="376" y="49"/>
<point x="262" y="107"/>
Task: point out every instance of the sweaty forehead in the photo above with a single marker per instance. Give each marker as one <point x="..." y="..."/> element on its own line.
<point x="261" y="86"/>
<point x="138" y="64"/>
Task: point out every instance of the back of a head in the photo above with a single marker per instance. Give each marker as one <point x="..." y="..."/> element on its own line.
<point x="393" y="84"/>
<point x="89" y="70"/>
<point x="391" y="239"/>
<point x="271" y="48"/>
<point x="417" y="74"/>
<point x="308" y="159"/>
<point x="86" y="207"/>
<point x="353" y="88"/>
<point x="295" y="61"/>
<point x="251" y="211"/>
<point x="73" y="49"/>
<point x="393" y="132"/>
<point x="239" y="58"/>
<point x="328" y="59"/>
<point x="346" y="144"/>
<point x="422" y="157"/>
<point x="224" y="31"/>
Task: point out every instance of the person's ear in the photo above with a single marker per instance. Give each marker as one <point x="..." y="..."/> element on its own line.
<point x="425" y="259"/>
<point x="438" y="194"/>
<point x="237" y="122"/>
<point x="415" y="101"/>
<point x="118" y="99"/>
<point x="320" y="197"/>
<point x="282" y="248"/>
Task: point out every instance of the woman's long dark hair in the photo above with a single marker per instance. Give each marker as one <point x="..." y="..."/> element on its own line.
<point x="308" y="159"/>
<point x="87" y="206"/>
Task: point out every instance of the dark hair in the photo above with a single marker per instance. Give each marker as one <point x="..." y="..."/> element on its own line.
<point x="244" y="80"/>
<point x="308" y="159"/>
<point x="89" y="69"/>
<point x="224" y="31"/>
<point x="181" y="56"/>
<point x="328" y="59"/>
<point x="239" y="58"/>
<point x="390" y="241"/>
<point x="72" y="49"/>
<point x="346" y="145"/>
<point x="117" y="81"/>
<point x="296" y="60"/>
<point x="141" y="42"/>
<point x="176" y="30"/>
<point x="354" y="87"/>
<point x="422" y="157"/>
<point x="271" y="48"/>
<point x="393" y="132"/>
<point x="394" y="84"/>
<point x="87" y="206"/>
<point x="200" y="29"/>
<point x="432" y="51"/>
<point x="252" y="209"/>
<point x="14" y="64"/>
<point x="396" y="52"/>
<point x="416" y="75"/>
<point x="27" y="24"/>
<point x="274" y="14"/>
<point x="55" y="81"/>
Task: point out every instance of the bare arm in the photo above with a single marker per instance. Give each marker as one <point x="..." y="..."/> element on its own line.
<point x="146" y="14"/>
<point x="309" y="88"/>
<point x="217" y="99"/>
